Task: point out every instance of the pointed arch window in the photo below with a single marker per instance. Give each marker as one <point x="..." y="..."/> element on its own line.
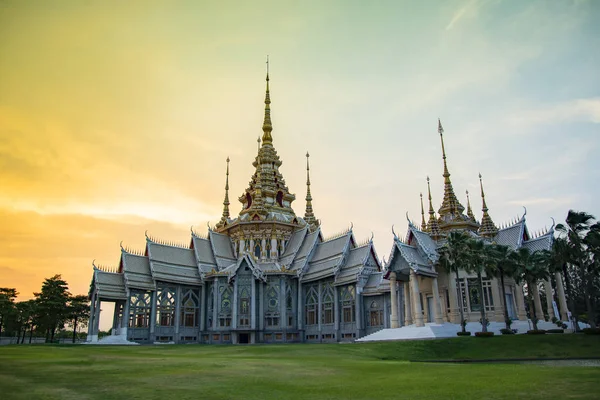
<point x="279" y="198"/>
<point x="257" y="250"/>
<point x="289" y="306"/>
<point x="139" y="309"/>
<point x="210" y="306"/>
<point x="311" y="303"/>
<point x="348" y="303"/>
<point x="244" y="308"/>
<point x="165" y="307"/>
<point x="189" y="308"/>
<point x="327" y="304"/>
<point x="272" y="314"/>
<point x="248" y="200"/>
<point x="375" y="313"/>
<point x="225" y="306"/>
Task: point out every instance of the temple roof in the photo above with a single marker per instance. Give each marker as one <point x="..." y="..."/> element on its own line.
<point x="511" y="236"/>
<point x="136" y="269"/>
<point x="110" y="285"/>
<point x="328" y="257"/>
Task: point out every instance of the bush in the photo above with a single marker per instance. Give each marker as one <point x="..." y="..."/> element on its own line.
<point x="505" y="331"/>
<point x="536" y="332"/>
<point x="591" y="331"/>
<point x="555" y="331"/>
<point x="484" y="334"/>
<point x="555" y="320"/>
<point x="463" y="333"/>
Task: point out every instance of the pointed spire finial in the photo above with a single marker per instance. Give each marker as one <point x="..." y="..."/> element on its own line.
<point x="487" y="228"/>
<point x="469" y="210"/>
<point x="423" y="223"/>
<point x="450" y="204"/>
<point x="225" y="215"/>
<point x="309" y="215"/>
<point x="433" y="226"/>
<point x="267" y="126"/>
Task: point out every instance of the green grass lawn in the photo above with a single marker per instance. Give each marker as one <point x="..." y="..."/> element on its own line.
<point x="302" y="371"/>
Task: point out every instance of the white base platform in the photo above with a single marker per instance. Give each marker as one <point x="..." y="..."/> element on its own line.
<point x="114" y="340"/>
<point x="446" y="330"/>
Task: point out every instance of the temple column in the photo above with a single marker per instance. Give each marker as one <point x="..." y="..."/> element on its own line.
<point x="407" y="305"/>
<point x="115" y="323"/>
<point x="539" y="313"/>
<point x="253" y="303"/>
<point x="251" y="249"/>
<point x="261" y="306"/>
<point x="549" y="298"/>
<point x="416" y="299"/>
<point x="437" y="310"/>
<point x="202" y="308"/>
<point x="562" y="300"/>
<point x="263" y="248"/>
<point x="274" y="251"/>
<point x="177" y="313"/>
<point x="234" y="309"/>
<point x="152" y="315"/>
<point x="394" y="299"/>
<point x="92" y="317"/>
<point x="96" y="320"/>
<point x="520" y="300"/>
<point x="125" y="316"/>
<point x="242" y="249"/>
<point x="336" y="311"/>
<point x="282" y="309"/>
<point x="216" y="305"/>
<point x="453" y="294"/>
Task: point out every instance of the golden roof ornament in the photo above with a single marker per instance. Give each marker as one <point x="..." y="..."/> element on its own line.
<point x="225" y="216"/>
<point x="451" y="207"/>
<point x="267" y="126"/>
<point x="423" y="223"/>
<point x="309" y="216"/>
<point x="469" y="210"/>
<point x="432" y="227"/>
<point x="487" y="228"/>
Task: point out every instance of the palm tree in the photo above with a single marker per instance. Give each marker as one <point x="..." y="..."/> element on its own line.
<point x="477" y="262"/>
<point x="501" y="265"/>
<point x="452" y="258"/>
<point x="529" y="268"/>
<point x="578" y="226"/>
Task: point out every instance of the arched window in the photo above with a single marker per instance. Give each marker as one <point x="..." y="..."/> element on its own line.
<point x="375" y="314"/>
<point x="139" y="310"/>
<point x="347" y="297"/>
<point x="248" y="200"/>
<point x="289" y="306"/>
<point x="272" y="314"/>
<point x="165" y="309"/>
<point x="311" y="303"/>
<point x="189" y="309"/>
<point x="279" y="198"/>
<point x="244" y="308"/>
<point x="210" y="305"/>
<point x="257" y="250"/>
<point x="225" y="309"/>
<point x="268" y="250"/>
<point x="327" y="304"/>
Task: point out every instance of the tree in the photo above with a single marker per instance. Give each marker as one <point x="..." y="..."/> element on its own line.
<point x="52" y="303"/>
<point x="581" y="235"/>
<point x="452" y="259"/>
<point x="477" y="263"/>
<point x="501" y="265"/>
<point x="7" y="306"/>
<point x="529" y="268"/>
<point x="79" y="312"/>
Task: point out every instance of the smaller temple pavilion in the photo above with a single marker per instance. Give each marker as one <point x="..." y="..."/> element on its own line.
<point x="431" y="294"/>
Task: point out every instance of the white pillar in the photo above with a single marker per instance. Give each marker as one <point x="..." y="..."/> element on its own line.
<point x="263" y="248"/>
<point x="274" y="251"/>
<point x="91" y="322"/>
<point x="539" y="313"/>
<point x="549" y="298"/>
<point x="520" y="299"/>
<point x="437" y="310"/>
<point x="416" y="299"/>
<point x="394" y="300"/>
<point x="562" y="300"/>
<point x="407" y="305"/>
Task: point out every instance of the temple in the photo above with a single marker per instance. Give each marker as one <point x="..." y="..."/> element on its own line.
<point x="267" y="275"/>
<point x="432" y="295"/>
<point x="270" y="275"/>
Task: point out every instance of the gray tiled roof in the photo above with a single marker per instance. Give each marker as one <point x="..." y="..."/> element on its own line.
<point x="221" y="245"/>
<point x="353" y="265"/>
<point x="511" y="236"/>
<point x="308" y="245"/>
<point x="171" y="254"/>
<point x="203" y="252"/>
<point x="426" y="243"/>
<point x="541" y="243"/>
<point x="183" y="274"/>
<point x="327" y="258"/>
<point x="293" y="246"/>
<point x="376" y="284"/>
<point x="137" y="272"/>
<point x="110" y="285"/>
<point x="408" y="256"/>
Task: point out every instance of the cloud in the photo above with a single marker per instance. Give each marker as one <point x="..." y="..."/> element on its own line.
<point x="470" y="8"/>
<point x="585" y="110"/>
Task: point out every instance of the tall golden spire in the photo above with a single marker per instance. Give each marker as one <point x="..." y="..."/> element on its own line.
<point x="309" y="216"/>
<point x="451" y="207"/>
<point x="469" y="210"/>
<point x="433" y="226"/>
<point x="423" y="223"/>
<point x="487" y="228"/>
<point x="225" y="216"/>
<point x="267" y="127"/>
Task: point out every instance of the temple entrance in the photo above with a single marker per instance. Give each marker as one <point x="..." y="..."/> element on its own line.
<point x="429" y="308"/>
<point x="243" y="338"/>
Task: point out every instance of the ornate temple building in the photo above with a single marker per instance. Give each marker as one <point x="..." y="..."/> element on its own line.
<point x="267" y="275"/>
<point x="432" y="295"/>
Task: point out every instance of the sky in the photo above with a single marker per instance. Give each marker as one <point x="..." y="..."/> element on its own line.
<point x="117" y="117"/>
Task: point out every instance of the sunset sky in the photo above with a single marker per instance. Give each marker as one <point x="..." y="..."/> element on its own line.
<point x="117" y="117"/>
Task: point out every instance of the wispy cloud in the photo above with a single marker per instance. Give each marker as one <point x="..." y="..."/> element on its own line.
<point x="470" y="8"/>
